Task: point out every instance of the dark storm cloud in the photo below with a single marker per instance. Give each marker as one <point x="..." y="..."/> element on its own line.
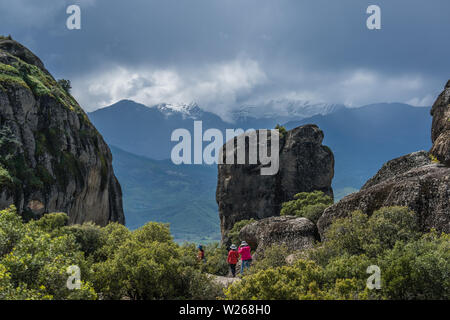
<point x="227" y="52"/>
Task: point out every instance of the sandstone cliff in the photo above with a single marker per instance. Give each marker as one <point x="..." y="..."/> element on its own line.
<point x="51" y="156"/>
<point x="305" y="165"/>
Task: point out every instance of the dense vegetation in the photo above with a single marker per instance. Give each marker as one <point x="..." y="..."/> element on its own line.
<point x="308" y="205"/>
<point x="413" y="265"/>
<point x="115" y="263"/>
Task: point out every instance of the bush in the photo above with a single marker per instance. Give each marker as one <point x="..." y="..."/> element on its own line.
<point x="272" y="257"/>
<point x="147" y="264"/>
<point x="307" y="204"/>
<point x="52" y="221"/>
<point x="88" y="236"/>
<point x="413" y="266"/>
<point x="65" y="85"/>
<point x="233" y="234"/>
<point x="285" y="283"/>
<point x="418" y="269"/>
<point x="34" y="260"/>
<point x="216" y="260"/>
<point x="361" y="234"/>
<point x="281" y="130"/>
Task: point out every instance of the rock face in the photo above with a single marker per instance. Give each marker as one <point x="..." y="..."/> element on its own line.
<point x="305" y="165"/>
<point x="425" y="190"/>
<point x="440" y="131"/>
<point x="296" y="233"/>
<point x="51" y="156"/>
<point x="414" y="181"/>
<point x="398" y="166"/>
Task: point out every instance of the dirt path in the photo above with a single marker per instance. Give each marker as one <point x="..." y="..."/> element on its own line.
<point x="224" y="281"/>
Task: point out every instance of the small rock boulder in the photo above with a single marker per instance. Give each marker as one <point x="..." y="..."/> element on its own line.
<point x="296" y="233"/>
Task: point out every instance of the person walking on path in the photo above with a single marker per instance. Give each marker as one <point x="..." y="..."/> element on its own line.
<point x="246" y="256"/>
<point x="201" y="254"/>
<point x="233" y="258"/>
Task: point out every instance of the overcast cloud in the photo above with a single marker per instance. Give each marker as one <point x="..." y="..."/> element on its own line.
<point x="225" y="53"/>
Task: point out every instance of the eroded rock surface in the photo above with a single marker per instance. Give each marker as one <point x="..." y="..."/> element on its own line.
<point x="425" y="190"/>
<point x="295" y="233"/>
<point x="305" y="165"/>
<point x="53" y="159"/>
<point x="440" y="132"/>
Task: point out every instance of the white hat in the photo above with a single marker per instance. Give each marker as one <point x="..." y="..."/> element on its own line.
<point x="233" y="247"/>
<point x="244" y="244"/>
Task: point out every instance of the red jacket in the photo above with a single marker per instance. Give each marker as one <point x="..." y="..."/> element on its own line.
<point x="233" y="257"/>
<point x="245" y="253"/>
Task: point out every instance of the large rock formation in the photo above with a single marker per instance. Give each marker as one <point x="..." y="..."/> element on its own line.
<point x="416" y="181"/>
<point x="440" y="132"/>
<point x="305" y="165"/>
<point x="295" y="233"/>
<point x="399" y="166"/>
<point x="51" y="156"/>
<point x="425" y="190"/>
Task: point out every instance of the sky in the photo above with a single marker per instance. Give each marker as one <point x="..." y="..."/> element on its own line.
<point x="226" y="53"/>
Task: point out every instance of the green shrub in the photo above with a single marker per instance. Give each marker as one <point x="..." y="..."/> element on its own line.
<point x="281" y="130"/>
<point x="34" y="262"/>
<point x="307" y="204"/>
<point x="52" y="221"/>
<point x="272" y="257"/>
<point x="216" y="260"/>
<point x="413" y="266"/>
<point x="233" y="234"/>
<point x="65" y="85"/>
<point x="88" y="236"/>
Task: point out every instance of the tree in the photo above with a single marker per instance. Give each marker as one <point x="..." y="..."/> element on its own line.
<point x="65" y="85"/>
<point x="281" y="130"/>
<point x="34" y="262"/>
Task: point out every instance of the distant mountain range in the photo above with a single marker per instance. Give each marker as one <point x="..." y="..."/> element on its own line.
<point x="362" y="139"/>
<point x="281" y="111"/>
<point x="146" y="131"/>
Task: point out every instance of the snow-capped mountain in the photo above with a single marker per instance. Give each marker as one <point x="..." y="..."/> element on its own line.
<point x="187" y="111"/>
<point x="283" y="110"/>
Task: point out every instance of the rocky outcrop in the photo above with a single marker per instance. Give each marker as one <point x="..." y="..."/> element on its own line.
<point x="416" y="181"/>
<point x="295" y="233"/>
<point x="425" y="190"/>
<point x="305" y="165"/>
<point x="440" y="132"/>
<point x="51" y="156"/>
<point x="398" y="166"/>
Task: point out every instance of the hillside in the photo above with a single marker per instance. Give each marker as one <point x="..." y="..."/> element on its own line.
<point x="157" y="190"/>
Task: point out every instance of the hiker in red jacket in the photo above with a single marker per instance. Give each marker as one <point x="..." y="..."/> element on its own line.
<point x="246" y="256"/>
<point x="233" y="258"/>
